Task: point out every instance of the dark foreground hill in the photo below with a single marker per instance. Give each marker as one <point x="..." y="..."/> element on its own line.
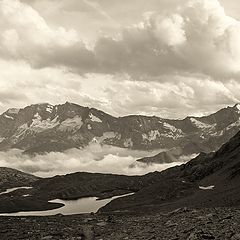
<point x="10" y="178"/>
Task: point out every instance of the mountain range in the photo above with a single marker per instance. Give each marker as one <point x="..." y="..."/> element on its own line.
<point x="42" y="128"/>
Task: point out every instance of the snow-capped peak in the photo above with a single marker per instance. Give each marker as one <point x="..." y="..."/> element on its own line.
<point x="238" y="107"/>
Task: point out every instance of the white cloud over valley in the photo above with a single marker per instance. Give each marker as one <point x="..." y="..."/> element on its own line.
<point x="94" y="158"/>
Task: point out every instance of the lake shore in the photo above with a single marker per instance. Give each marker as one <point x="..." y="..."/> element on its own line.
<point x="70" y="207"/>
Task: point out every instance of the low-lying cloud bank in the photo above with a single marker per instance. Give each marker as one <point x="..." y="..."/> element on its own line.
<point x="94" y="158"/>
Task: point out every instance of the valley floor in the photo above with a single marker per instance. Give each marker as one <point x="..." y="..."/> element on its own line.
<point x="181" y="224"/>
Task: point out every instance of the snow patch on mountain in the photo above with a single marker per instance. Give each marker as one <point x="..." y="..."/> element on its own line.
<point x="49" y="108"/>
<point x="151" y="136"/>
<point x="2" y="139"/>
<point x="217" y="134"/>
<point x="71" y="124"/>
<point x="201" y="125"/>
<point x="39" y="125"/>
<point x="171" y="128"/>
<point x="172" y="132"/>
<point x="207" y="188"/>
<point x="235" y="124"/>
<point x="175" y="136"/>
<point x="9" y="117"/>
<point x="106" y="135"/>
<point x="94" y="118"/>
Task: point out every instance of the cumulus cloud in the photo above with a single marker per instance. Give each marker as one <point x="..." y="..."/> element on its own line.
<point x="169" y="30"/>
<point x="181" y="97"/>
<point x="26" y="35"/>
<point x="94" y="158"/>
<point x="20" y="85"/>
<point x="198" y="37"/>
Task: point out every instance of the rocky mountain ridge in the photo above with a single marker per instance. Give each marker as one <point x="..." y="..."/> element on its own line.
<point x="42" y="128"/>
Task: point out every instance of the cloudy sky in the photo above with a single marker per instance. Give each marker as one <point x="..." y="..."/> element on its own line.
<point x="169" y="58"/>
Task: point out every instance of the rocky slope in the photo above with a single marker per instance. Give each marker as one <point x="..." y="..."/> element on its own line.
<point x="209" y="180"/>
<point x="181" y="224"/>
<point x="43" y="128"/>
